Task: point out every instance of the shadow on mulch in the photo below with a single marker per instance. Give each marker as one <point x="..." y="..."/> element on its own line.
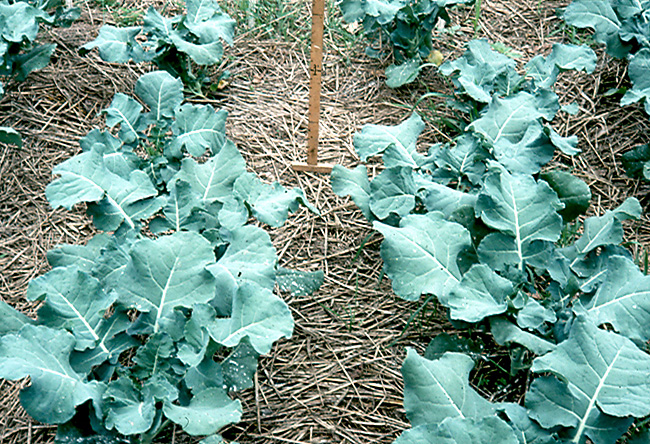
<point x="337" y="380"/>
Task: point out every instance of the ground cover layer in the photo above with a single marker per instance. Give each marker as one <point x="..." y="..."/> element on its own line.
<point x="337" y="380"/>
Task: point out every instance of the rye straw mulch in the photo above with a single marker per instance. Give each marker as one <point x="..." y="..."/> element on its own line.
<point x="337" y="380"/>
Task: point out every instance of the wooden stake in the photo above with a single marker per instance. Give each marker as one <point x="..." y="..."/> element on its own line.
<point x="315" y="71"/>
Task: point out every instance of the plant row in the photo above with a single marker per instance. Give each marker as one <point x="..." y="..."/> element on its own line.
<point x="488" y="229"/>
<point x="164" y="312"/>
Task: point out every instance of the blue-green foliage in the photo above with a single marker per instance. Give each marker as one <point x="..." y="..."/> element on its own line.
<point x="171" y="43"/>
<point x="479" y="226"/>
<point x="159" y="317"/>
<point x="19" y="53"/>
<point x="19" y="26"/>
<point x="406" y="24"/>
<point x="624" y="27"/>
<point x="10" y="136"/>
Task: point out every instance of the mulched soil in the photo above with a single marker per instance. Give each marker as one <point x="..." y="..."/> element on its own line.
<point x="338" y="379"/>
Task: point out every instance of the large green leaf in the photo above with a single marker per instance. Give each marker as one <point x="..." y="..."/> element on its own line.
<point x="161" y="27"/>
<point x="353" y="183"/>
<point x="86" y="258"/>
<point x="573" y="193"/>
<point x="74" y="300"/>
<point x="126" y="112"/>
<point x="505" y="333"/>
<point x="153" y="358"/>
<point x="239" y="367"/>
<point x="201" y="10"/>
<point x="551" y="404"/>
<point x="250" y="256"/>
<point x="599" y="15"/>
<point x="526" y="430"/>
<point x="119" y="157"/>
<point x="112" y="341"/>
<point x="637" y="162"/>
<point x="400" y="75"/>
<point x="607" y="229"/>
<point x="533" y="314"/>
<point x="195" y="339"/>
<point x="544" y="70"/>
<point x="197" y="129"/>
<point x="117" y="44"/>
<point x="375" y="139"/>
<point x="392" y="192"/>
<point x="511" y="126"/>
<point x="592" y="268"/>
<point x="623" y="300"/>
<point x="634" y="29"/>
<point x="269" y="204"/>
<point x="521" y="208"/>
<point x="208" y="374"/>
<point x="37" y="58"/>
<point x="480" y="70"/>
<point x="464" y="159"/>
<point x="214" y="179"/>
<point x="442" y="198"/>
<point x="421" y="255"/>
<point x="213" y="439"/>
<point x="128" y="410"/>
<point x="180" y="204"/>
<point x="166" y="273"/>
<point x="208" y="54"/>
<point x="605" y="374"/>
<point x="488" y="430"/>
<point x="383" y="10"/>
<point x="352" y="10"/>
<point x="112" y="262"/>
<point x="85" y="178"/>
<point x="629" y="8"/>
<point x="638" y="71"/>
<point x="161" y="92"/>
<point x="210" y="30"/>
<point x="19" y="21"/>
<point x="12" y="319"/>
<point x="207" y="412"/>
<point x="481" y="293"/>
<point x="43" y="354"/>
<point x="257" y="314"/>
<point x="299" y="283"/>
<point x="438" y="389"/>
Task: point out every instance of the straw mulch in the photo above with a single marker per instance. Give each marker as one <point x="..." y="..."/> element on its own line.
<point x="337" y="380"/>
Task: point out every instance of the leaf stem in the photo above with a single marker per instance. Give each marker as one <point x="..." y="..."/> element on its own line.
<point x="148" y="437"/>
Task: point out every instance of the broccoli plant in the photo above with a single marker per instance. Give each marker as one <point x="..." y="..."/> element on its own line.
<point x="19" y="26"/>
<point x="174" y="44"/>
<point x="624" y="28"/>
<point x="484" y="227"/>
<point x="164" y="312"/>
<point x="408" y="26"/>
<point x="19" y="53"/>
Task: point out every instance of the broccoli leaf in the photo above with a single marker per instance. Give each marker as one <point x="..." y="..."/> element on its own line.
<point x="166" y="273"/>
<point x="207" y="412"/>
<point x="420" y="256"/>
<point x="605" y="378"/>
<point x="43" y="354"/>
<point x="638" y="72"/>
<point x="258" y="315"/>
